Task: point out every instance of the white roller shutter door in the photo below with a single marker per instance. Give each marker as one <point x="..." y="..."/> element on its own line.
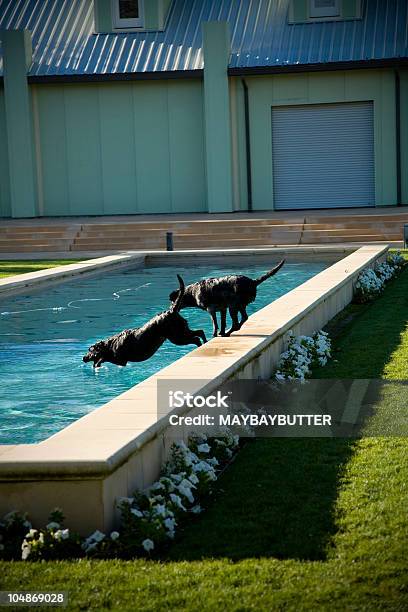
<point x="323" y="156"/>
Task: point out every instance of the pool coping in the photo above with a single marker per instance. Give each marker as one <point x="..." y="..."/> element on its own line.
<point x="113" y="432"/>
<point x="21" y="283"/>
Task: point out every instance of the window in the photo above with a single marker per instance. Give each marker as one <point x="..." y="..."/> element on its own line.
<point x="127" y="14"/>
<point x="324" y="8"/>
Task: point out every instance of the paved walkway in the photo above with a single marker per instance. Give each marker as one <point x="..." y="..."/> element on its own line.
<point x="303" y="215"/>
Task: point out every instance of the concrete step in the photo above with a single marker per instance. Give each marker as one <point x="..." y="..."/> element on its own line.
<point x="350" y="232"/>
<point x="396" y="226"/>
<point x="39" y="236"/>
<point x="215" y="230"/>
<point x="178" y="225"/>
<point x="347" y="238"/>
<point x="35" y="241"/>
<point x="38" y="229"/>
<point x="144" y="242"/>
<point x="38" y="248"/>
<point x="355" y="219"/>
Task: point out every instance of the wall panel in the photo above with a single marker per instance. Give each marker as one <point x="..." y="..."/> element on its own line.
<point x="122" y="148"/>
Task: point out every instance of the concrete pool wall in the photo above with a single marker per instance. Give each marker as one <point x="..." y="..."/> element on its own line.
<point x="122" y="445"/>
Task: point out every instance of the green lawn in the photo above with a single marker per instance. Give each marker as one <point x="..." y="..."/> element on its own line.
<point x="298" y="524"/>
<point x="9" y="267"/>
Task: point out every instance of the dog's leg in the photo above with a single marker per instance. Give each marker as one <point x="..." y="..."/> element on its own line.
<point x="223" y="322"/>
<point x="213" y="314"/>
<point x="200" y="333"/>
<point x="235" y="323"/>
<point x="244" y="316"/>
<point x="187" y="337"/>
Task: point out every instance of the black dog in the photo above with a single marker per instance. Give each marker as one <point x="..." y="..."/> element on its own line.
<point x="141" y="343"/>
<point x="219" y="294"/>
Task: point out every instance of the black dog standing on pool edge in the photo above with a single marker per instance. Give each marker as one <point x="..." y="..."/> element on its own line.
<point x="141" y="343"/>
<point x="233" y="292"/>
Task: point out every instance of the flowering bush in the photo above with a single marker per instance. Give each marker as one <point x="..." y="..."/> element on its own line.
<point x="53" y="542"/>
<point x="371" y="281"/>
<point x="396" y="260"/>
<point x="368" y="286"/>
<point x="303" y="354"/>
<point x="148" y="519"/>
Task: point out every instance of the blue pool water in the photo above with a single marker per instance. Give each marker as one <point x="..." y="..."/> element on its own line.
<point x="44" y="383"/>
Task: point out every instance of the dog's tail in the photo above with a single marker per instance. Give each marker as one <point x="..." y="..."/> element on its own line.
<point x="177" y="302"/>
<point x="274" y="270"/>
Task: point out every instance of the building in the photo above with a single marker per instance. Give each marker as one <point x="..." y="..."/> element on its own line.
<point x="163" y="106"/>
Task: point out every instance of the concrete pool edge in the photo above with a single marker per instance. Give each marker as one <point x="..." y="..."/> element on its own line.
<point x="121" y="445"/>
<point x="40" y="279"/>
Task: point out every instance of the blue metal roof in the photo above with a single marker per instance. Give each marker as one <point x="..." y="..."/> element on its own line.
<point x="64" y="42"/>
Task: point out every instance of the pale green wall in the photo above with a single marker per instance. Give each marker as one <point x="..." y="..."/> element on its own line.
<point x="121" y="148"/>
<point x="404" y="135"/>
<point x="317" y="88"/>
<point x="5" y="204"/>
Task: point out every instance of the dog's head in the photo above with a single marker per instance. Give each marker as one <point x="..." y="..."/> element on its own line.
<point x="98" y="353"/>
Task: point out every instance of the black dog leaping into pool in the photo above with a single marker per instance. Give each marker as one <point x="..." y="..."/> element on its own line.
<point x="233" y="292"/>
<point x="141" y="343"/>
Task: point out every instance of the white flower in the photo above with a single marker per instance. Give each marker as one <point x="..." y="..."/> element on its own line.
<point x="187" y="483"/>
<point x="125" y="500"/>
<point x="61" y="534"/>
<point x="170" y="524"/>
<point x="203" y="448"/>
<point x="193" y="478"/>
<point x="31" y="533"/>
<point x="157" y="486"/>
<point x="114" y="535"/>
<point x="136" y="512"/>
<point x="97" y="536"/>
<point x="213" y="461"/>
<point x="186" y="491"/>
<point x="160" y="510"/>
<point x="53" y="525"/>
<point x="148" y="545"/>
<point x="196" y="509"/>
<point x="93" y="540"/>
<point x="25" y="550"/>
<point x="176" y="499"/>
<point x="181" y="445"/>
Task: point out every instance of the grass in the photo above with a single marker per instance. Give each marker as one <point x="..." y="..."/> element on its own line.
<point x="298" y="524"/>
<point x="10" y="267"/>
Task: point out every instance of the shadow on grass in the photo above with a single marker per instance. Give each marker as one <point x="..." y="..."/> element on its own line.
<point x="278" y="498"/>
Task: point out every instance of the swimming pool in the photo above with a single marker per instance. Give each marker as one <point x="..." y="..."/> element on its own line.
<point x="43" y="336"/>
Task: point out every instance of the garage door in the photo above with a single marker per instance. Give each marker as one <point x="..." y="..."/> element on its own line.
<point x="323" y="156"/>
